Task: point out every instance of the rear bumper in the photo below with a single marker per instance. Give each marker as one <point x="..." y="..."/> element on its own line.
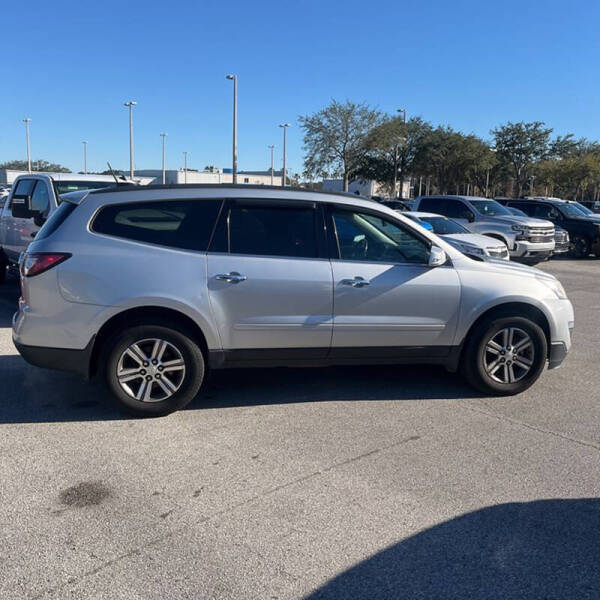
<point x="59" y="359"/>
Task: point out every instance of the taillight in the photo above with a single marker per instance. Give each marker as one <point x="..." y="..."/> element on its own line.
<point x="38" y="262"/>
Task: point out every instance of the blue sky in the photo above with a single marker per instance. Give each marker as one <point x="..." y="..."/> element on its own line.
<point x="71" y="65"/>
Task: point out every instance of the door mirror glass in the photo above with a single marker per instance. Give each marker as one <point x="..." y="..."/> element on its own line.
<point x="437" y="257"/>
<point x="21" y="207"/>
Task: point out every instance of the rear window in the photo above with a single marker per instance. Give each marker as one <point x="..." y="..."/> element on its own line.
<point x="64" y="187"/>
<point x="186" y="224"/>
<point x="57" y="218"/>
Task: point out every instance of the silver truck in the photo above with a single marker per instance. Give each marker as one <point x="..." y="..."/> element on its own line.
<point x="528" y="240"/>
<point x="32" y="199"/>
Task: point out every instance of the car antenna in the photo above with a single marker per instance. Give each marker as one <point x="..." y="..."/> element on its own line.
<point x="112" y="172"/>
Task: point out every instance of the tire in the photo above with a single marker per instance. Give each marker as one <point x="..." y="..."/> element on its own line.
<point x="478" y="359"/>
<point x="152" y="390"/>
<point x="581" y="246"/>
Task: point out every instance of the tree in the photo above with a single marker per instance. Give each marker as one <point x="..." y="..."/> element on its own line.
<point x="36" y="165"/>
<point x="335" y="139"/>
<point x="519" y="146"/>
<point x="391" y="149"/>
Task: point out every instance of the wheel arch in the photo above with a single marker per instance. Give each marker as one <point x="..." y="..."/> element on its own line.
<point x="158" y="315"/>
<point x="511" y="309"/>
<point x="498" y="236"/>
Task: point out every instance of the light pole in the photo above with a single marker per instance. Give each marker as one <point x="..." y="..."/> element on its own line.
<point x="164" y="179"/>
<point x="27" y="121"/>
<point x="130" y="104"/>
<point x="531" y="185"/>
<point x="403" y="111"/>
<point x="185" y="167"/>
<point x="234" y="162"/>
<point x="84" y="157"/>
<point x="285" y="126"/>
<point x="272" y="147"/>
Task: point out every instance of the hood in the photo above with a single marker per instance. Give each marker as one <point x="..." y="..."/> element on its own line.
<point x="504" y="267"/>
<point x="481" y="241"/>
<point x="526" y="221"/>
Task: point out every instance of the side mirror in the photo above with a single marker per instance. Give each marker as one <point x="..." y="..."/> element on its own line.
<point x="470" y="217"/>
<point x="21" y="207"/>
<point x="437" y="257"/>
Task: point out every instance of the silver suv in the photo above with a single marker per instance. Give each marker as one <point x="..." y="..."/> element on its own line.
<point x="152" y="286"/>
<point x="528" y="240"/>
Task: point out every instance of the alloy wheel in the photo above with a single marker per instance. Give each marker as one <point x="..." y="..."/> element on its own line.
<point x="509" y="355"/>
<point x="151" y="370"/>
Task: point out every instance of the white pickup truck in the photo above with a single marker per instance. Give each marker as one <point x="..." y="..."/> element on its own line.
<point x="33" y="198"/>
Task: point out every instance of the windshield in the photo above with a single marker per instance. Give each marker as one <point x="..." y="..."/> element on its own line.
<point x="571" y="210"/>
<point x="64" y="187"/>
<point x="584" y="209"/>
<point x="490" y="208"/>
<point x="517" y="212"/>
<point x="443" y="225"/>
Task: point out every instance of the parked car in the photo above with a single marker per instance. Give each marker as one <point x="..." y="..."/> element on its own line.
<point x="583" y="229"/>
<point x="480" y="247"/>
<point x="152" y="286"/>
<point x="562" y="243"/>
<point x="395" y="204"/>
<point x="528" y="240"/>
<point x="33" y="198"/>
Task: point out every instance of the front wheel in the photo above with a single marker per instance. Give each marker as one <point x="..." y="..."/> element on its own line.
<point x="153" y="370"/>
<point x="581" y="246"/>
<point x="505" y="355"/>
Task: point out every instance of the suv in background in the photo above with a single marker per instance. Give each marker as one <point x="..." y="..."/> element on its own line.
<point x="33" y="198"/>
<point x="150" y="286"/>
<point x="528" y="240"/>
<point x="562" y="243"/>
<point x="583" y="229"/>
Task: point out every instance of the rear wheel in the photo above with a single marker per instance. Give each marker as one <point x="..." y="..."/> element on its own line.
<point x="505" y="355"/>
<point x="153" y="370"/>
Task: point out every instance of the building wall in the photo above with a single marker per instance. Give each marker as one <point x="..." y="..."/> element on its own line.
<point x="367" y="188"/>
<point x="179" y="177"/>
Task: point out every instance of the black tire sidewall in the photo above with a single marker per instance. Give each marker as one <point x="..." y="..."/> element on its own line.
<point x="190" y="351"/>
<point x="586" y="246"/>
<point x="475" y="369"/>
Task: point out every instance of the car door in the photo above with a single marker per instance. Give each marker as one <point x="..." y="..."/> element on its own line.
<point x="270" y="282"/>
<point x="387" y="300"/>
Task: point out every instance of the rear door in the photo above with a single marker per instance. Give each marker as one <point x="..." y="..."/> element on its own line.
<point x="388" y="301"/>
<point x="270" y="282"/>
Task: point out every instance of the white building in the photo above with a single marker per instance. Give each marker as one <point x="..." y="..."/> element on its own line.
<point x="212" y="176"/>
<point x="367" y="188"/>
<point x="7" y="176"/>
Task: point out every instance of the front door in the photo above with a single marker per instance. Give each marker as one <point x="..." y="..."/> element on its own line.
<point x="270" y="287"/>
<point x="387" y="300"/>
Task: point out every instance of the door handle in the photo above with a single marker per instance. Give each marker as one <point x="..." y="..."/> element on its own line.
<point x="357" y="282"/>
<point x="233" y="277"/>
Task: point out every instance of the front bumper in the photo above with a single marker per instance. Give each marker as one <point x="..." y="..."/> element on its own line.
<point x="532" y="250"/>
<point x="558" y="353"/>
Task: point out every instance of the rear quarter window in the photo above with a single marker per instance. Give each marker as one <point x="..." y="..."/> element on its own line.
<point x="185" y="224"/>
<point x="57" y="218"/>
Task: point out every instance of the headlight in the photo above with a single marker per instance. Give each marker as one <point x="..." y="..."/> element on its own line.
<point x="471" y="249"/>
<point x="520" y="228"/>
<point x="555" y="286"/>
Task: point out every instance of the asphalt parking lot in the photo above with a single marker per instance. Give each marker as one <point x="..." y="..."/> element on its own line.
<point x="386" y="482"/>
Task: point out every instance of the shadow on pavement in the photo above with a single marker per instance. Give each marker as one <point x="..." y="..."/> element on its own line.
<point x="547" y="549"/>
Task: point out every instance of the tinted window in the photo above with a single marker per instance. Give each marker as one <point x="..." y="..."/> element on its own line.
<point x="184" y="224"/>
<point x="57" y="218"/>
<point x="570" y="210"/>
<point x="455" y="209"/>
<point x="40" y="200"/>
<point x="369" y="238"/>
<point x="24" y="187"/>
<point x="544" y="211"/>
<point x="434" y="205"/>
<point x="273" y="231"/>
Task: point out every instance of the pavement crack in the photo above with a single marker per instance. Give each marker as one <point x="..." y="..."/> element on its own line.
<point x="502" y="417"/>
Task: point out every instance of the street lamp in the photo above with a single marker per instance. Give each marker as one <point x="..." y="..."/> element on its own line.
<point x="27" y="121"/>
<point x="163" y="136"/>
<point x="84" y="157"/>
<point x="130" y="104"/>
<point x="234" y="162"/>
<point x="284" y="126"/>
<point x="272" y="147"/>
<point x="185" y="167"/>
<point x="403" y="112"/>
